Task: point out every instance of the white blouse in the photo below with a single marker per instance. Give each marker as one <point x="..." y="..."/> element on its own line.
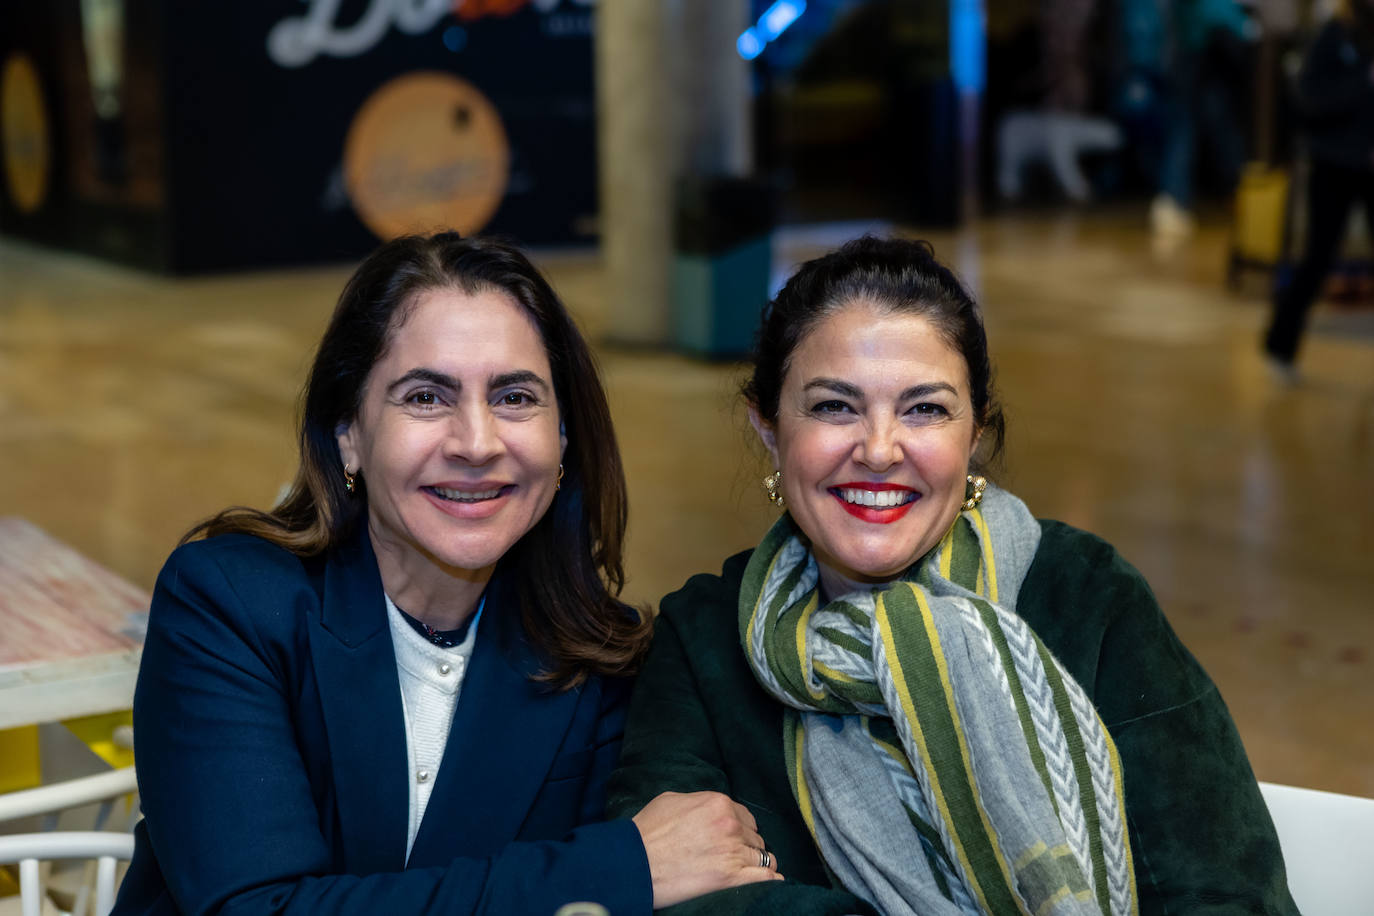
<point x="431" y="679"/>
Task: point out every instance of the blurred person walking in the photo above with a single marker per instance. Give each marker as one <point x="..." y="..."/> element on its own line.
<point x="1335" y="98"/>
<point x="1205" y="64"/>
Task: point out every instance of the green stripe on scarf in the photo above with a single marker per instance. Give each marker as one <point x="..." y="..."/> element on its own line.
<point x="1018" y="695"/>
<point x="1086" y="794"/>
<point x="938" y="732"/>
<point x="885" y="736"/>
<point x="1049" y="873"/>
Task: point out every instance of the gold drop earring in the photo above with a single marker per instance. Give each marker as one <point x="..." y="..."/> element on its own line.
<point x="773" y="484"/>
<point x="976" y="485"/>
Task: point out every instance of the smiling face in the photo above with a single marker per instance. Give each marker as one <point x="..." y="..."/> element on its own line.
<point x="874" y="435"/>
<point x="458" y="440"/>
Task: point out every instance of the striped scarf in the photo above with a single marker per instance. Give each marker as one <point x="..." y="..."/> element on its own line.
<point x="943" y="759"/>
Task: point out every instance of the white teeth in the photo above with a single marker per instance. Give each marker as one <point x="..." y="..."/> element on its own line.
<point x="878" y="499"/>
<point x="467" y="496"/>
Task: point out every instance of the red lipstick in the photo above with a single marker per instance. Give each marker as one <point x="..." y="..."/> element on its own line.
<point x="881" y="516"/>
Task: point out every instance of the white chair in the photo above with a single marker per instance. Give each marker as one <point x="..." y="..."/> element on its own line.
<point x="53" y="799"/>
<point x="1328" y="848"/>
<point x="27" y="849"/>
<point x="50" y="801"/>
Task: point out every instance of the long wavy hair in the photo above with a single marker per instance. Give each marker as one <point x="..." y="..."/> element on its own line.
<point x="568" y="569"/>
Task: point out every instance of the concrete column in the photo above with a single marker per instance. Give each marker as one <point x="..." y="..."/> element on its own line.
<point x="673" y="96"/>
<point x="711" y="84"/>
<point x="637" y="162"/>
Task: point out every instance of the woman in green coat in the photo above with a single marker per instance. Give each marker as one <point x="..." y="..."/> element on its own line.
<point x="930" y="701"/>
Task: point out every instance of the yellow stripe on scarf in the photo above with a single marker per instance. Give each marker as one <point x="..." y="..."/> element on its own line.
<point x="892" y="750"/>
<point x="832" y="674"/>
<point x="989" y="561"/>
<point x="803" y="793"/>
<point x="947" y="686"/>
<point x="802" y="655"/>
<point x="1030" y="855"/>
<point x="811" y="605"/>
<point x="909" y="711"/>
<point x="1050" y="901"/>
<point x="1120" y="800"/>
<point x="946" y="551"/>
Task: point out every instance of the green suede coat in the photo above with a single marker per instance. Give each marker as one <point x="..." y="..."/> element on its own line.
<point x="1200" y="833"/>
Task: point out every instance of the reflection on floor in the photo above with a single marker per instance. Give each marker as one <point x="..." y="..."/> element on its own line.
<point x="132" y="405"/>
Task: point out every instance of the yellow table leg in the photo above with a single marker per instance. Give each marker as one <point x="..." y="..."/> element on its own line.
<point x="20" y="766"/>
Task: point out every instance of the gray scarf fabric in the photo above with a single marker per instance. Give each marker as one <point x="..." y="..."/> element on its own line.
<point x="943" y="759"/>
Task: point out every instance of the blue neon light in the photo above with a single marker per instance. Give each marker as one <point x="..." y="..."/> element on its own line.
<point x="968" y="45"/>
<point x="779" y="16"/>
<point x="749" y="45"/>
<point x="771" y="24"/>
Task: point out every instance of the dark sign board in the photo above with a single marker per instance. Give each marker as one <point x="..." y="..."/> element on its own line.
<point x="287" y="131"/>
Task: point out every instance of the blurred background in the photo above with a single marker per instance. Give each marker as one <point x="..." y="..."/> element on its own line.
<point x="187" y="186"/>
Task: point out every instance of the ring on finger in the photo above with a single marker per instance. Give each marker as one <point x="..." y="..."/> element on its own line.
<point x="765" y="858"/>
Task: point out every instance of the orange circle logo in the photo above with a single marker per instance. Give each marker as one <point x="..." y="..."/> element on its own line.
<point x="426" y="151"/>
<point x="26" y="140"/>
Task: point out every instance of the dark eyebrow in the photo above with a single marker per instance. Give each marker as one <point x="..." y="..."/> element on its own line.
<point x="835" y="385"/>
<point x="929" y="388"/>
<point x="848" y="390"/>
<point x="518" y="377"/>
<point x="421" y="374"/>
<point x="444" y="380"/>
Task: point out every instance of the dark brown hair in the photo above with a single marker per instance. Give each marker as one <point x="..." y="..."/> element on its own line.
<point x="567" y="569"/>
<point x="897" y="274"/>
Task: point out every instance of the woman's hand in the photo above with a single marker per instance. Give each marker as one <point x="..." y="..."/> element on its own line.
<point x="698" y="843"/>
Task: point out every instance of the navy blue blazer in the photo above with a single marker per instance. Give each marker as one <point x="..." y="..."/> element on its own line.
<point x="272" y="755"/>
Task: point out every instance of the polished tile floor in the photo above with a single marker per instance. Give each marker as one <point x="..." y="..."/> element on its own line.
<point x="132" y="405"/>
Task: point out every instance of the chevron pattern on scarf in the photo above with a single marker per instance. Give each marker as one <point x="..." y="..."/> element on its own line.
<point x="911" y="698"/>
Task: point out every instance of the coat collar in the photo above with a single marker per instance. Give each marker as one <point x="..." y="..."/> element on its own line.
<point x="360" y="693"/>
<point x="506" y="729"/>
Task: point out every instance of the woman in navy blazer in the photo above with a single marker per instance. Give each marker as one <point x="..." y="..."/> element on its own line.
<point x="403" y="688"/>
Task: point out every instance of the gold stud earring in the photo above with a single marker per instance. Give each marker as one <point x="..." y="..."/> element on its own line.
<point x="773" y="484"/>
<point x="558" y="484"/>
<point x="350" y="480"/>
<point x="978" y="485"/>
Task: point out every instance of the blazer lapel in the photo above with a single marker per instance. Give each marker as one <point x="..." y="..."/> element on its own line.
<point x="505" y="733"/>
<point x="361" y="695"/>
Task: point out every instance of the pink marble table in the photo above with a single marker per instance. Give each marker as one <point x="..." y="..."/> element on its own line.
<point x="71" y="631"/>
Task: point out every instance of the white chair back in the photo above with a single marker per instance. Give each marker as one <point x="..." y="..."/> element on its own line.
<point x="1328" y="848"/>
<point x="28" y="849"/>
<point x="51" y="799"/>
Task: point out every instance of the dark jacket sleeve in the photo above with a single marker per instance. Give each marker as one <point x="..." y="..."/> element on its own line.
<point x="1334" y="83"/>
<point x="1201" y="836"/>
<point x="236" y="821"/>
<point x="699" y="722"/>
